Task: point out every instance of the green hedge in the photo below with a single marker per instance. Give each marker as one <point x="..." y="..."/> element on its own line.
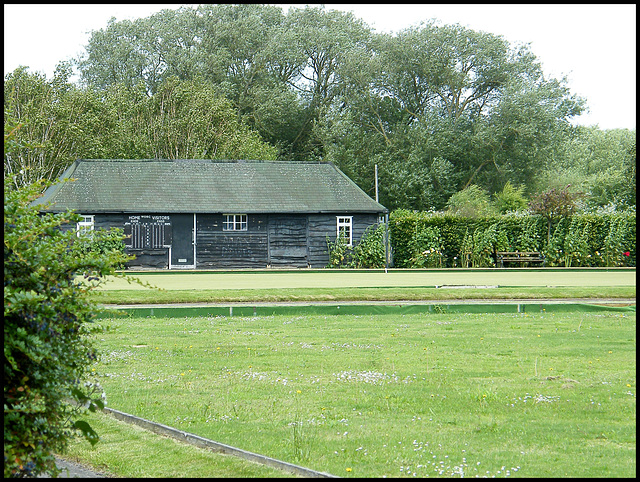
<point x="421" y="239"/>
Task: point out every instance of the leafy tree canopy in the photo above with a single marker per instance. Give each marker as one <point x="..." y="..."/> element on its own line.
<point x="61" y="122"/>
<point x="437" y="108"/>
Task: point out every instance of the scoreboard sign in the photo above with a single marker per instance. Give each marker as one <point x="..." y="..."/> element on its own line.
<point x="148" y="232"/>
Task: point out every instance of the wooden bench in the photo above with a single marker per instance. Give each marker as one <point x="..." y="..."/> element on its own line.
<point x="519" y="257"/>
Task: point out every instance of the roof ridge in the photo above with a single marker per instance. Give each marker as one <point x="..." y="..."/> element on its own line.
<point x="212" y="161"/>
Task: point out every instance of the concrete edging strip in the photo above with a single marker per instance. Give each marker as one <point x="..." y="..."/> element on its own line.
<point x="365" y="308"/>
<point x="202" y="442"/>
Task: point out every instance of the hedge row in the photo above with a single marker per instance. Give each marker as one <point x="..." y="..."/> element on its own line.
<point x="420" y="239"/>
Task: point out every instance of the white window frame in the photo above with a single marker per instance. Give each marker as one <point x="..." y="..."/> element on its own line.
<point x="344" y="224"/>
<point x="234" y="222"/>
<point x="86" y="226"/>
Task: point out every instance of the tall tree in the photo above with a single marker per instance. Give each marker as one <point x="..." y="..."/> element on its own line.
<point x="187" y="120"/>
<point x="314" y="44"/>
<point x="232" y="48"/>
<point x="601" y="163"/>
<point x="436" y="107"/>
<point x="455" y="107"/>
<point x="523" y="132"/>
<point x="240" y="58"/>
<point x="117" y="55"/>
<point x="61" y="123"/>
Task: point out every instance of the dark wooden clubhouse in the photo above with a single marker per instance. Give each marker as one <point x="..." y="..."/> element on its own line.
<point x="204" y="214"/>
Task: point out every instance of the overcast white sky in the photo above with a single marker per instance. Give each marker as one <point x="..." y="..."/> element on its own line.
<point x="593" y="45"/>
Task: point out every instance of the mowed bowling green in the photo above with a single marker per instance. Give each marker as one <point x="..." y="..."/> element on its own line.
<point x="435" y="278"/>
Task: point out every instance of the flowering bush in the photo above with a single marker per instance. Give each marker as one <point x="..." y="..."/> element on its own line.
<point x="339" y="251"/>
<point x="369" y="252"/>
<point x="429" y="258"/>
<point x="594" y="239"/>
<point x="426" y="246"/>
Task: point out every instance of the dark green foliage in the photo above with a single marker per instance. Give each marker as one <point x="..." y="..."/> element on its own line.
<point x="106" y="243"/>
<point x="485" y="244"/>
<point x="554" y="252"/>
<point x="577" y="240"/>
<point x="409" y="229"/>
<point x="595" y="240"/>
<point x="553" y="204"/>
<point x="368" y="253"/>
<point x="436" y="108"/>
<point x="402" y="226"/>
<point x="48" y="273"/>
<point x="426" y="246"/>
<point x="576" y="244"/>
<point x="619" y="245"/>
<point x="526" y="233"/>
<point x="510" y="199"/>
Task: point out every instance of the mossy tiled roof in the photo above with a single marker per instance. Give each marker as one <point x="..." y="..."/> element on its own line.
<point x="206" y="186"/>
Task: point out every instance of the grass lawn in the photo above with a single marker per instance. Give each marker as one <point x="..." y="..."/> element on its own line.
<point x="531" y="395"/>
<point x="129" y="451"/>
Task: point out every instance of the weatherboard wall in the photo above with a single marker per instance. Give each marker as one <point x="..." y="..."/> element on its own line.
<point x="172" y="211"/>
<point x="271" y="240"/>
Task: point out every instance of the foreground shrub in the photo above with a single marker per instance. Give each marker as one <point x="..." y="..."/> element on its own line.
<point x="47" y="316"/>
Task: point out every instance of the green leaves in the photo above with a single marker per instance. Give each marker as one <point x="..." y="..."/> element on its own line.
<point x="423" y="239"/>
<point x="87" y="432"/>
<point x="54" y="123"/>
<point x="368" y="253"/>
<point x="437" y="108"/>
<point x="46" y="316"/>
<point x="599" y="163"/>
<point x="471" y="202"/>
<point x="510" y="199"/>
<point x="188" y="120"/>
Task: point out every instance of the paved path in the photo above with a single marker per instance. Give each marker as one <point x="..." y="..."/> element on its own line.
<point x="75" y="471"/>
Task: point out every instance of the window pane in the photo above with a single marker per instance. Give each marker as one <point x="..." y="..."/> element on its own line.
<point x="235" y="222"/>
<point x="85" y="226"/>
<point x="344" y="228"/>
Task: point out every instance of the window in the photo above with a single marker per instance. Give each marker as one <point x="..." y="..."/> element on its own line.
<point x="344" y="228"/>
<point x="85" y="227"/>
<point x="234" y="222"/>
